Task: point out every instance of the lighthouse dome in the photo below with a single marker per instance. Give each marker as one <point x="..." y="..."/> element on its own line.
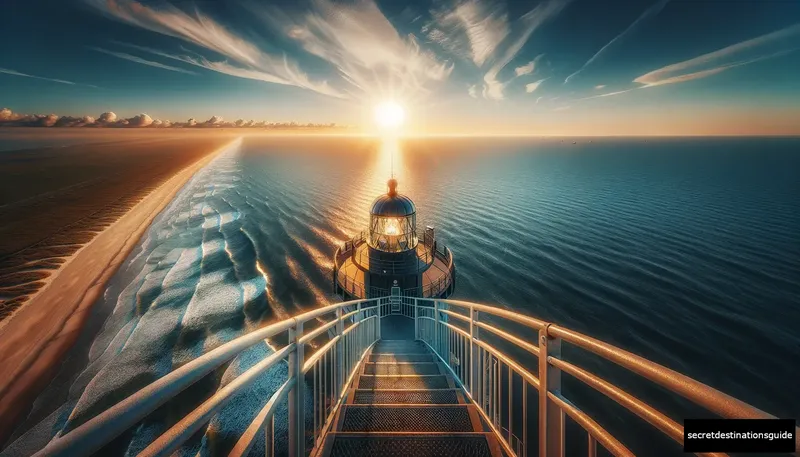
<point x="392" y="204"/>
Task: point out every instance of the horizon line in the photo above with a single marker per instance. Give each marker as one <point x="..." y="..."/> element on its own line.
<point x="247" y="131"/>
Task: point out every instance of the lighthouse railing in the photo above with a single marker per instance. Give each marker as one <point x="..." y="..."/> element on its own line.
<point x="445" y="281"/>
<point x="476" y="343"/>
<point x="347" y="280"/>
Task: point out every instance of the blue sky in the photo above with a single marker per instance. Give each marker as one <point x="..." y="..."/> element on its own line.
<point x="552" y="66"/>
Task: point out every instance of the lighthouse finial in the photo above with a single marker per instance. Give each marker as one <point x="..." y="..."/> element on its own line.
<point x="392" y="187"/>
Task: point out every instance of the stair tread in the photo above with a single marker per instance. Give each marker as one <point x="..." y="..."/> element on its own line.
<point x="401" y="350"/>
<point x="406" y="418"/>
<point x="380" y="445"/>
<point x="401" y="357"/>
<point x="400" y="347"/>
<point x="403" y="382"/>
<point x="421" y="396"/>
<point x="420" y="368"/>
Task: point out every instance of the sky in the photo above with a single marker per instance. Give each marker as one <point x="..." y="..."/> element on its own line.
<point x="560" y="67"/>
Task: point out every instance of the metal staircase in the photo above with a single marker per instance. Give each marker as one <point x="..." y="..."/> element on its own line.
<point x="404" y="403"/>
<point x="420" y="377"/>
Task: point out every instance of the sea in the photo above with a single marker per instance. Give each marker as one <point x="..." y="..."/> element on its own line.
<point x="685" y="251"/>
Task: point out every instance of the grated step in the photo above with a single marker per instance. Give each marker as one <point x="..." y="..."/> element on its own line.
<point x="402" y="368"/>
<point x="411" y="358"/>
<point x="404" y="343"/>
<point x="472" y="445"/>
<point x="439" y="418"/>
<point x="401" y="350"/>
<point x="403" y="382"/>
<point x="401" y="347"/>
<point x="419" y="397"/>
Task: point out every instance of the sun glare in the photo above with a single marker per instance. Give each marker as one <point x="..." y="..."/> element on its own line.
<point x="389" y="115"/>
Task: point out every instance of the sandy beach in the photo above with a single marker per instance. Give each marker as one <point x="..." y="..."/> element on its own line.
<point x="55" y="199"/>
<point x="54" y="272"/>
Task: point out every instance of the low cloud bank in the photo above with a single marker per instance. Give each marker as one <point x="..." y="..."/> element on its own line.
<point x="9" y="118"/>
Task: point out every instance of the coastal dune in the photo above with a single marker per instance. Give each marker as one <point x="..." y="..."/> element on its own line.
<point x="35" y="338"/>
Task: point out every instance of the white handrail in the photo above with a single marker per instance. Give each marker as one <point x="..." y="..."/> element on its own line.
<point x="477" y="366"/>
<point x="101" y="429"/>
<point x="484" y="372"/>
<point x="95" y="433"/>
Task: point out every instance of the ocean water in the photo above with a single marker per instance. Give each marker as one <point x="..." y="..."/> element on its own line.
<point x="685" y="251"/>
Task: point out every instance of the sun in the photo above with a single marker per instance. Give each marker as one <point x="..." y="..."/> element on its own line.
<point x="389" y="115"/>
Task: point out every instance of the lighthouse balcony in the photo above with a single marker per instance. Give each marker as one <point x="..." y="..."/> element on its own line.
<point x="433" y="265"/>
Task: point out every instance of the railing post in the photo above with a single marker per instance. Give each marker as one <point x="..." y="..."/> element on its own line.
<point x="297" y="422"/>
<point x="473" y="351"/>
<point x="436" y="327"/>
<point x="269" y="438"/>
<point x="551" y="417"/>
<point x="358" y="331"/>
<point x="416" y="319"/>
<point x="380" y="316"/>
<point x="339" y="352"/>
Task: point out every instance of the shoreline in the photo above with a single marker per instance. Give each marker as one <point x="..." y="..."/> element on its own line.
<point x="34" y="340"/>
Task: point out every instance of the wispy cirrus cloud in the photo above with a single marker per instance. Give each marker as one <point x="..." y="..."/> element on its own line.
<point x="139" y="60"/>
<point x="649" y="12"/>
<point x="484" y="25"/>
<point x="219" y="66"/>
<point x="767" y="46"/>
<point x="8" y="71"/>
<point x="364" y="47"/>
<point x="371" y="58"/>
<point x="609" y="94"/>
<point x="453" y="44"/>
<point x="531" y="87"/>
<point x="481" y="32"/>
<point x="528" y="23"/>
<point x="198" y="29"/>
<point x="529" y="67"/>
<point x="764" y="47"/>
<point x="525" y="69"/>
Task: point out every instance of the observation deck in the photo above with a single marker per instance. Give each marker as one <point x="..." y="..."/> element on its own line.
<point x="433" y="263"/>
<point x="417" y="378"/>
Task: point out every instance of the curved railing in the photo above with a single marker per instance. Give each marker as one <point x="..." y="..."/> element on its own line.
<point x="458" y="332"/>
<point x="347" y="331"/>
<point x="436" y="288"/>
<point x="461" y="335"/>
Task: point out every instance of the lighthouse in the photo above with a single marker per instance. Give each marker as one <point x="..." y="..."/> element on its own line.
<point x="392" y="257"/>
